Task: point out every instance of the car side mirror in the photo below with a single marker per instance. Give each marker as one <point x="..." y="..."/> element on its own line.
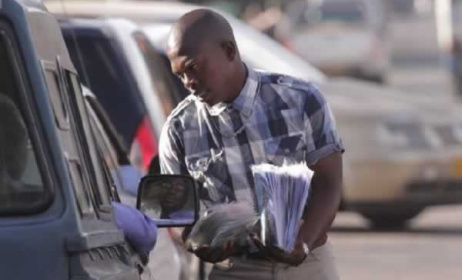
<point x="170" y="200"/>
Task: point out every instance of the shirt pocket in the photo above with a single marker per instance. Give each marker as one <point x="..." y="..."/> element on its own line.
<point x="288" y="149"/>
<point x="210" y="170"/>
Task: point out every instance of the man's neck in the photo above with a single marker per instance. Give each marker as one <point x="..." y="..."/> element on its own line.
<point x="239" y="82"/>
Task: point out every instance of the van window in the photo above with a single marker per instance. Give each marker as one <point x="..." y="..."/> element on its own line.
<point x="58" y="104"/>
<point x="22" y="188"/>
<point x="82" y="195"/>
<point x="98" y="185"/>
<point x="59" y="101"/>
<point x="106" y="150"/>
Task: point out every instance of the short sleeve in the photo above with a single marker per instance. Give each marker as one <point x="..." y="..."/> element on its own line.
<point x="322" y="135"/>
<point x="171" y="151"/>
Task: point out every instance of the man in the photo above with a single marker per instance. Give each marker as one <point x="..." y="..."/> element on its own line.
<point x="236" y="117"/>
<point x="175" y="201"/>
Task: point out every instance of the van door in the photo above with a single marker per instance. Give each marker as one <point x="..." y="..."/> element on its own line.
<point x="31" y="202"/>
<point x="101" y="251"/>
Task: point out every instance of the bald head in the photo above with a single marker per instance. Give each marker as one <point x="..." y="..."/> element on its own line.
<point x="203" y="53"/>
<point x="199" y="27"/>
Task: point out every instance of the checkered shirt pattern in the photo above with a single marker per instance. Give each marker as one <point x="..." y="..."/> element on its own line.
<point x="276" y="119"/>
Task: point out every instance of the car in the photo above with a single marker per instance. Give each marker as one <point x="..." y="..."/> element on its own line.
<point x="110" y="57"/>
<point x="56" y="213"/>
<point x="342" y="37"/>
<point x="403" y="153"/>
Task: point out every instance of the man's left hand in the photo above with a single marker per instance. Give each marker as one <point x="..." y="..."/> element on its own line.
<point x="294" y="258"/>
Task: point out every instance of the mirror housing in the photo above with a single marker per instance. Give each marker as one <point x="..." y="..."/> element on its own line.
<point x="170" y="200"/>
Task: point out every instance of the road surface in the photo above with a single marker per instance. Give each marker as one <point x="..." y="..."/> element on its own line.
<point x="430" y="249"/>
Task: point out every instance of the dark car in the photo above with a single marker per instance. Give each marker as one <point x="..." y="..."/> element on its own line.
<point x="111" y="56"/>
<point x="56" y="217"/>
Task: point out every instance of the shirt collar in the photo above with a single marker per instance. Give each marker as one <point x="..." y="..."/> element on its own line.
<point x="244" y="101"/>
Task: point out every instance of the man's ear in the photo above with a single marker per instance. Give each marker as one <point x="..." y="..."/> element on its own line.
<point x="230" y="49"/>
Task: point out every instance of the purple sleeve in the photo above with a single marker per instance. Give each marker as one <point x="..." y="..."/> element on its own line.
<point x="139" y="230"/>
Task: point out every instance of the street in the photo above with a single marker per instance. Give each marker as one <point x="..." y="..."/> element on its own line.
<point x="430" y="249"/>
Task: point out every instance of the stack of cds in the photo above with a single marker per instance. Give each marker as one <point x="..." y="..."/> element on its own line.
<point x="281" y="194"/>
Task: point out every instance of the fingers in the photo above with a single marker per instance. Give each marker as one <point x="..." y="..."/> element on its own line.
<point x="228" y="248"/>
<point x="202" y="250"/>
<point x="256" y="240"/>
<point x="294" y="258"/>
<point x="214" y="255"/>
<point x="300" y="232"/>
<point x="190" y="246"/>
<point x="269" y="251"/>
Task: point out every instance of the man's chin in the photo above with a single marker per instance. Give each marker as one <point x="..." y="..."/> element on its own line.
<point x="210" y="103"/>
<point x="207" y="100"/>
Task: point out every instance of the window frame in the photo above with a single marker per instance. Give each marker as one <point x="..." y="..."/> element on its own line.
<point x="98" y="185"/>
<point x="105" y="146"/>
<point x="61" y="112"/>
<point x="26" y="104"/>
<point x="78" y="173"/>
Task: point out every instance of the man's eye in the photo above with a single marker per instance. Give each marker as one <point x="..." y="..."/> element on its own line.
<point x="193" y="67"/>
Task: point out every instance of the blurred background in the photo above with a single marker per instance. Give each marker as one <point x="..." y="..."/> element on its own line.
<point x="392" y="72"/>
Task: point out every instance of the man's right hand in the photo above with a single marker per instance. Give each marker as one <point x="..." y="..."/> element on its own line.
<point x="214" y="255"/>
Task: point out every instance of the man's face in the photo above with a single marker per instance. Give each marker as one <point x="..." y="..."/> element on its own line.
<point x="203" y="69"/>
<point x="174" y="195"/>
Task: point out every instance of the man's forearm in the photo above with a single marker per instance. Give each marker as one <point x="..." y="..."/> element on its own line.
<point x="324" y="201"/>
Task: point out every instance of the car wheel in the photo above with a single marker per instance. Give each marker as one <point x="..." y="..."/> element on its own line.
<point x="391" y="218"/>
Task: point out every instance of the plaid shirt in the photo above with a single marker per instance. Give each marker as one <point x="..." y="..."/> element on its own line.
<point x="275" y="118"/>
